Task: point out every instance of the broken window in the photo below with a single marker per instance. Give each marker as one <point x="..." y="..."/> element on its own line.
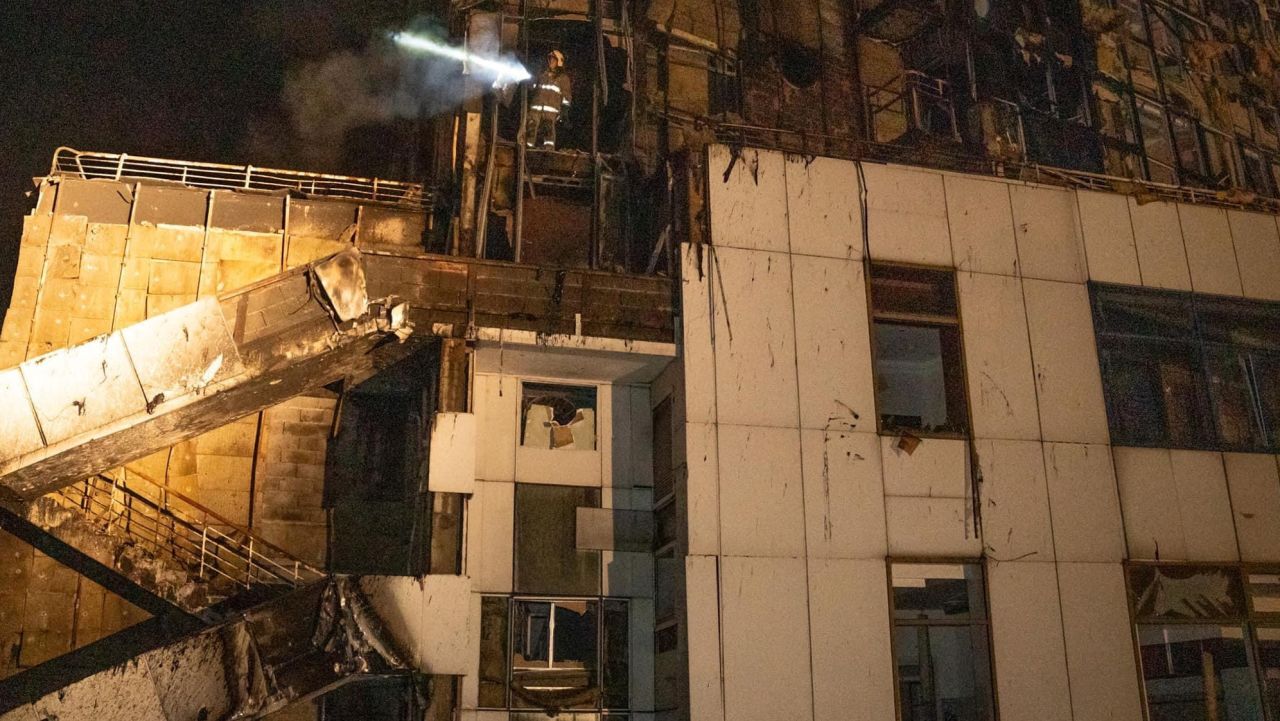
<point x="547" y="558"/>
<point x="558" y="417"/>
<point x="565" y="654"/>
<point x="918" y="361"/>
<point x="1202" y="651"/>
<point x="1189" y="371"/>
<point x="940" y="642"/>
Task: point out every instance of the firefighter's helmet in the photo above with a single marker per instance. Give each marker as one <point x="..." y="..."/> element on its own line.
<point x="559" y="56"/>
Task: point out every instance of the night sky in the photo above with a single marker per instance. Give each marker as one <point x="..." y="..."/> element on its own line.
<point x="195" y="80"/>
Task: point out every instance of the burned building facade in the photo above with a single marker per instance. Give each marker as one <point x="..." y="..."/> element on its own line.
<point x="750" y="360"/>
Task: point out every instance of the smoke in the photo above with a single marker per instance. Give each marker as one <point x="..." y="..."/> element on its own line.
<point x="399" y="75"/>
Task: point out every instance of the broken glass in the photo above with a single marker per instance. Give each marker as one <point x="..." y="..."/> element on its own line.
<point x="558" y="417"/>
<point x="1187" y="592"/>
<point x="1197" y="672"/>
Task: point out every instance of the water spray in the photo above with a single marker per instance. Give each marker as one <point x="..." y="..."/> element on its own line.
<point x="504" y="71"/>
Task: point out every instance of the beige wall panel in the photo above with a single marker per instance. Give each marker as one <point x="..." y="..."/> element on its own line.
<point x="1002" y="395"/>
<point x="822" y="207"/>
<point x="1255" y="500"/>
<point x="843" y="494"/>
<point x="497" y="406"/>
<point x="1207" y="524"/>
<point x="626" y="574"/>
<point x="833" y="351"/>
<point x="761" y="492"/>
<point x="702" y="599"/>
<point x="1028" y="648"/>
<point x="930" y="527"/>
<point x="1065" y="359"/>
<point x="1100" y="661"/>
<point x="1149" y="503"/>
<point x="1047" y="230"/>
<point x="565" y="467"/>
<point x="702" y="488"/>
<point x="937" y="468"/>
<point x="698" y="348"/>
<point x="981" y="221"/>
<point x="1083" y="502"/>
<point x="1258" y="253"/>
<point x="852" y="654"/>
<point x="907" y="215"/>
<point x="1108" y="237"/>
<point x="1162" y="256"/>
<point x="1210" y="254"/>
<point x="490" y="536"/>
<point x="766" y="639"/>
<point x="755" y="377"/>
<point x="1015" y="501"/>
<point x="749" y="210"/>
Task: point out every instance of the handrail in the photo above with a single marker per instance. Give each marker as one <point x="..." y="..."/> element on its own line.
<point x="114" y="166"/>
<point x="187" y="531"/>
<point x="205" y="510"/>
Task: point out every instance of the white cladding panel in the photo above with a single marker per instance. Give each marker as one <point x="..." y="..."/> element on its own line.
<point x="1083" y="502"/>
<point x="1258" y="252"/>
<point x="1162" y="256"/>
<point x="1047" y="230"/>
<point x="497" y="407"/>
<point x="1149" y="503"/>
<point x="1065" y="359"/>
<point x="767" y="667"/>
<point x="697" y="350"/>
<point x="1108" y="238"/>
<point x="843" y="494"/>
<point x="1015" y="501"/>
<point x="1255" y="498"/>
<point x="1100" y="660"/>
<point x="702" y="609"/>
<point x="703" y="488"/>
<point x="755" y="362"/>
<point x="1028" y="648"/>
<point x="930" y="527"/>
<point x="452" y="464"/>
<point x="981" y="220"/>
<point x="1002" y="394"/>
<point x="1210" y="254"/>
<point x="749" y="207"/>
<point x="832" y="343"/>
<point x="761" y="491"/>
<point x="852" y="654"/>
<point x="491" y="528"/>
<point x="1208" y="527"/>
<point x="822" y="207"/>
<point x="937" y="468"/>
<point x="907" y="215"/>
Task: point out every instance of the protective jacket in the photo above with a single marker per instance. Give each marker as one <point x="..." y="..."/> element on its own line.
<point x="552" y="91"/>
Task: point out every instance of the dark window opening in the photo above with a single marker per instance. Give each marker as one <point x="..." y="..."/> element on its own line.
<point x="940" y="642"/>
<point x="1206" y="639"/>
<point x="567" y="654"/>
<point x="1183" y="370"/>
<point x="918" y="360"/>
<point x="558" y="417"/>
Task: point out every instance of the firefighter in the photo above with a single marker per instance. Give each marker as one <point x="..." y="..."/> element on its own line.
<point x="550" y="96"/>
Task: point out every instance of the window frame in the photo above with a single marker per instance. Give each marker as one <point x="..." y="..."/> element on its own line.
<point x="1202" y="350"/>
<point x="511" y="599"/>
<point x="985" y="622"/>
<point x="1249" y="621"/>
<point x="926" y="320"/>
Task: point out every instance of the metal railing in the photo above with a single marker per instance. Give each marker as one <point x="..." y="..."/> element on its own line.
<point x="923" y="103"/>
<point x="115" y="166"/>
<point x="164" y="522"/>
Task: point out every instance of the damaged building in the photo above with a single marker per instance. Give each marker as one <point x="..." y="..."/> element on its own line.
<point x="752" y="360"/>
